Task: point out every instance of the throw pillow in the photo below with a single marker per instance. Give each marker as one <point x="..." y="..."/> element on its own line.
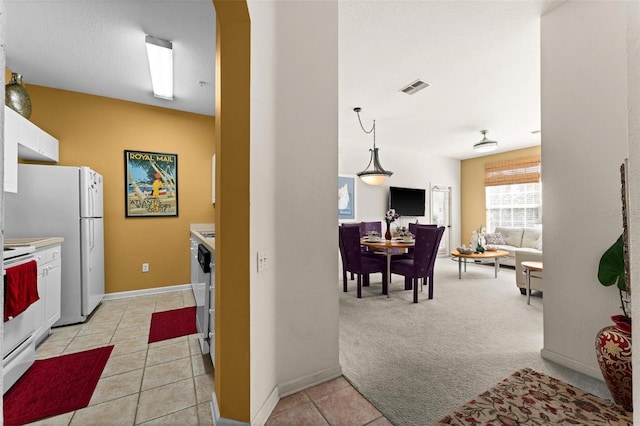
<point x="538" y="244"/>
<point x="495" y="238"/>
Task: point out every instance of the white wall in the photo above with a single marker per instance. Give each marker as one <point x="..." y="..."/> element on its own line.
<point x="584" y="141"/>
<point x="294" y="302"/>
<point x="633" y="75"/>
<point x="410" y="170"/>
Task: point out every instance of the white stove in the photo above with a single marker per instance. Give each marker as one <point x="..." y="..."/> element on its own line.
<point x="18" y="334"/>
<point x="11" y="252"/>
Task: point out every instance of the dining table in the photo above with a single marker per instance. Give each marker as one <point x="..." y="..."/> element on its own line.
<point x="389" y="248"/>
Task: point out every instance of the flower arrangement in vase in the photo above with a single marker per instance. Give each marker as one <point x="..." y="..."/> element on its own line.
<point x="478" y="240"/>
<point x="390" y="217"/>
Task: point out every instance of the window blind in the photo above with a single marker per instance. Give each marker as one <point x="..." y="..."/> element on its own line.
<point x="513" y="171"/>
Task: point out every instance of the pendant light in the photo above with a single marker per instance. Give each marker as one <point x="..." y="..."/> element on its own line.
<point x="485" y="145"/>
<point x="376" y="175"/>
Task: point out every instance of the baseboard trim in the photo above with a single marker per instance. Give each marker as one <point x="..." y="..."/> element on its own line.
<point x="296" y="385"/>
<point x="265" y="411"/>
<point x="571" y="363"/>
<point x="146" y="292"/>
<point x="221" y="421"/>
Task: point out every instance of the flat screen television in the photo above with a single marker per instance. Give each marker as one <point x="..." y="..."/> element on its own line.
<point x="407" y="201"/>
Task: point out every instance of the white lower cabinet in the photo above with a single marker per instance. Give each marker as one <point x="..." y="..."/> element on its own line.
<point x="194" y="265"/>
<point x="49" y="289"/>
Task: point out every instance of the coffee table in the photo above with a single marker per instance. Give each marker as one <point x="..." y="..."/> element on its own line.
<point x="487" y="255"/>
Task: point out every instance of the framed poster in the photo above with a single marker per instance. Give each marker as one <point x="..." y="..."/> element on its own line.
<point x="151" y="184"/>
<point x="346" y="197"/>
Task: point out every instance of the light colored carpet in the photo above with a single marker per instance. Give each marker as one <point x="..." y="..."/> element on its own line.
<point x="417" y="362"/>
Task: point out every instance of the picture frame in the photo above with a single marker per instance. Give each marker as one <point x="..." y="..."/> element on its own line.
<point x="150" y="184"/>
<point x="346" y="197"/>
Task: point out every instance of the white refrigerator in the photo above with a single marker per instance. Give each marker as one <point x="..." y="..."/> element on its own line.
<point x="63" y="201"/>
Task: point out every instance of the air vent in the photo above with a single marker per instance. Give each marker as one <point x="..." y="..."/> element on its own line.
<point x="415" y="87"/>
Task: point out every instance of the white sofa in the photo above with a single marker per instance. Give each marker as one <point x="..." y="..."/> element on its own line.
<point x="522" y="244"/>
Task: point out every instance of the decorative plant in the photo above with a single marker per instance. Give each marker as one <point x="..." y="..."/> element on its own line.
<point x="478" y="239"/>
<point x="613" y="343"/>
<point x="391" y="216"/>
<point x="611" y="270"/>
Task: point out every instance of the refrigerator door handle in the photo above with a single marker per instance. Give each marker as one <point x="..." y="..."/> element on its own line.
<point x="92" y="243"/>
<point x="91" y="212"/>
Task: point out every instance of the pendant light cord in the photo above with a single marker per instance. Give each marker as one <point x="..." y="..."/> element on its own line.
<point x="373" y="127"/>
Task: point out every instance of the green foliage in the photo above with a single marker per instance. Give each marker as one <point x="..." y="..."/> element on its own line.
<point x="611" y="268"/>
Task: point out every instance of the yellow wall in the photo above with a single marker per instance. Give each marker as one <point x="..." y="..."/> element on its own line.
<point x="472" y="203"/>
<point x="232" y="274"/>
<point x="94" y="131"/>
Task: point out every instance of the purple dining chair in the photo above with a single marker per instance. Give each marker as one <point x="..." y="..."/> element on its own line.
<point x="409" y="253"/>
<point x="354" y="261"/>
<point x="366" y="227"/>
<point x="421" y="265"/>
<point x="344" y="271"/>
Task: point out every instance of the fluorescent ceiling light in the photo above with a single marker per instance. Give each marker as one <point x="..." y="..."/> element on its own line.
<point x="160" y="55"/>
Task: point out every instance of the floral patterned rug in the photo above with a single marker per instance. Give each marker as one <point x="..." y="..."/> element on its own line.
<point x="531" y="398"/>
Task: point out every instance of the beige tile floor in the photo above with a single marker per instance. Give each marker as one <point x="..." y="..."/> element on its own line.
<point x="171" y="382"/>
<point x="335" y="402"/>
<point x="167" y="382"/>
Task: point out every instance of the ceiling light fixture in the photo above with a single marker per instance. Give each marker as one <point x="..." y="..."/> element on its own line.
<point x="376" y="175"/>
<point x="485" y="145"/>
<point x="160" y="55"/>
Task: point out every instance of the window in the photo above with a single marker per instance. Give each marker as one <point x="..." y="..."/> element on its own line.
<point x="513" y="192"/>
<point x="513" y="205"/>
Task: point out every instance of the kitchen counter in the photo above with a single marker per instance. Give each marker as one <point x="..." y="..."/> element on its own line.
<point x="36" y="242"/>
<point x="202" y="231"/>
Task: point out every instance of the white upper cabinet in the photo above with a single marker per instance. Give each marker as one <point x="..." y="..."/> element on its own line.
<point x="33" y="143"/>
<point x="10" y="153"/>
<point x="23" y="139"/>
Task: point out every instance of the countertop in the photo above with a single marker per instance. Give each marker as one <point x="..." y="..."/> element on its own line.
<point x="36" y="242"/>
<point x="197" y="229"/>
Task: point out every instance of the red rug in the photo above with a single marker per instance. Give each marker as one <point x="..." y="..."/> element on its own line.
<point x="175" y="323"/>
<point x="54" y="386"/>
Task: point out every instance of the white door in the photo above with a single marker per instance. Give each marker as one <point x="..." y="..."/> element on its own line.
<point x="441" y="214"/>
<point x="92" y="249"/>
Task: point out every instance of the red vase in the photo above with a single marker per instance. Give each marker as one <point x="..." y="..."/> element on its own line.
<point x="387" y="235"/>
<point x="613" y="350"/>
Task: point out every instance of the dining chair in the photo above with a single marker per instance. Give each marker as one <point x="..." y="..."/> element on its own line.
<point x="412" y="229"/>
<point x="354" y="261"/>
<point x="344" y="271"/>
<point x="421" y="265"/>
<point x="409" y="254"/>
<point x="366" y="227"/>
<point x="370" y="226"/>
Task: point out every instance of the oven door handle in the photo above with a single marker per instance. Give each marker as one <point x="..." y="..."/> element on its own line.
<point x="10" y="263"/>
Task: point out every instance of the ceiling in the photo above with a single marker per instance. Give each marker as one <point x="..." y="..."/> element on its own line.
<point x="97" y="47"/>
<point x="482" y="59"/>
